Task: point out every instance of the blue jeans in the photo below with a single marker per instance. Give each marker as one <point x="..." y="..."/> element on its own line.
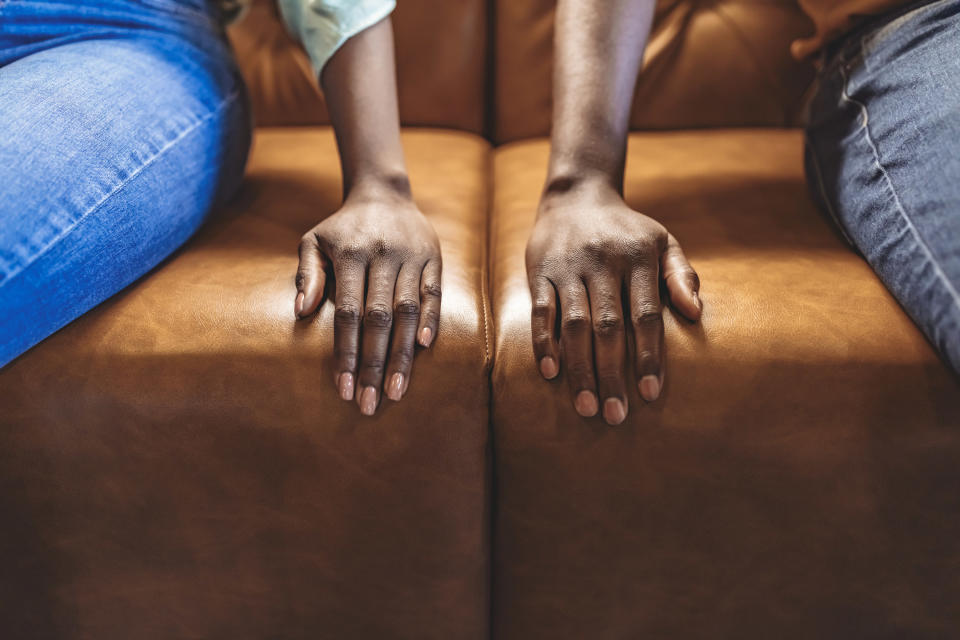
<point x="883" y="157"/>
<point x="122" y="124"/>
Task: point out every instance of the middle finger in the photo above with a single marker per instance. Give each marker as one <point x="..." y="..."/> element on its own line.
<point x="576" y="344"/>
<point x="377" y="322"/>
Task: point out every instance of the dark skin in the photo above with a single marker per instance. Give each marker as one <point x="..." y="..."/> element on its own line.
<point x="382" y="252"/>
<point x="592" y="261"/>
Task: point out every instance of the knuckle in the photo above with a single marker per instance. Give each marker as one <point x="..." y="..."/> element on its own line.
<point x="648" y="362"/>
<point x="542" y="339"/>
<point x="431" y="289"/>
<point x="596" y="247"/>
<point x="351" y="253"/>
<point x="378" y="317"/>
<point x="542" y="311"/>
<point x="575" y="323"/>
<point x="407" y="309"/>
<point x="688" y="275"/>
<point x="430" y="317"/>
<point x="646" y="357"/>
<point x="643" y="251"/>
<point x="608" y="325"/>
<point x="347" y="314"/>
<point x="647" y="317"/>
<point x="374" y="365"/>
<point x="299" y="279"/>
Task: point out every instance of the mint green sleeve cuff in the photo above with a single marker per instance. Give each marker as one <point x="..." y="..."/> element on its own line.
<point x="322" y="26"/>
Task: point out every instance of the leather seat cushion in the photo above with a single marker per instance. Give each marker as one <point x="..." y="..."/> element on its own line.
<point x="798" y="472"/>
<point x="177" y="463"/>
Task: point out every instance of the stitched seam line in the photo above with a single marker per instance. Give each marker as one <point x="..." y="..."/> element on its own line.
<point x="120" y="185"/>
<point x="865" y="127"/>
<point x="485" y="269"/>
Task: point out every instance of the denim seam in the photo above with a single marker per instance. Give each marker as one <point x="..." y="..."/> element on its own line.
<point x="120" y="185"/>
<point x="865" y="127"/>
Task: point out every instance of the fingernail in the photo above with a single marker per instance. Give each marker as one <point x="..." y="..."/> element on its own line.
<point x="368" y="401"/>
<point x="650" y="387"/>
<point x="696" y="300"/>
<point x="614" y="411"/>
<point x="395" y="388"/>
<point x="586" y="404"/>
<point x="346" y="386"/>
<point x="548" y="367"/>
<point x="298" y="305"/>
<point x="426" y="335"/>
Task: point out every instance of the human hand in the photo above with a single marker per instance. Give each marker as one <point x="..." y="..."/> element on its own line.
<point x="602" y="262"/>
<point x="384" y="256"/>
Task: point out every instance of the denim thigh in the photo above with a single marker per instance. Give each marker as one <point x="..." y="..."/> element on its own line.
<point x="118" y="134"/>
<point x="883" y="157"/>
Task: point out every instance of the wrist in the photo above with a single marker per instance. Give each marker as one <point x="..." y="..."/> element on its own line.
<point x="579" y="182"/>
<point x="579" y="165"/>
<point x="584" y="187"/>
<point x="388" y="186"/>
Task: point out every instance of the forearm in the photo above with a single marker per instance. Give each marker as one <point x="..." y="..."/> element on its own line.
<point x="359" y="83"/>
<point x="598" y="48"/>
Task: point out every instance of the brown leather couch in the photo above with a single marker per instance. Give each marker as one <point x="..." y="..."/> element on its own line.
<point x="176" y="464"/>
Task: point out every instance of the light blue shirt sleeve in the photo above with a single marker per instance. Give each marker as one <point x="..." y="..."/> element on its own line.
<point x="322" y="26"/>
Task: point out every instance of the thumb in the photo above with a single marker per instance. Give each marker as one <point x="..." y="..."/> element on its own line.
<point x="683" y="283"/>
<point x="311" y="276"/>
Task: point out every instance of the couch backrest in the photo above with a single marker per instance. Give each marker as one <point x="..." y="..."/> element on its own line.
<point x="442" y="54"/>
<point x="708" y="63"/>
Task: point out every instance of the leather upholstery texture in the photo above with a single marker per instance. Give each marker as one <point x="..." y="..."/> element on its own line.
<point x="799" y="475"/>
<point x="177" y="464"/>
<point x="441" y="48"/>
<point x="708" y="63"/>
